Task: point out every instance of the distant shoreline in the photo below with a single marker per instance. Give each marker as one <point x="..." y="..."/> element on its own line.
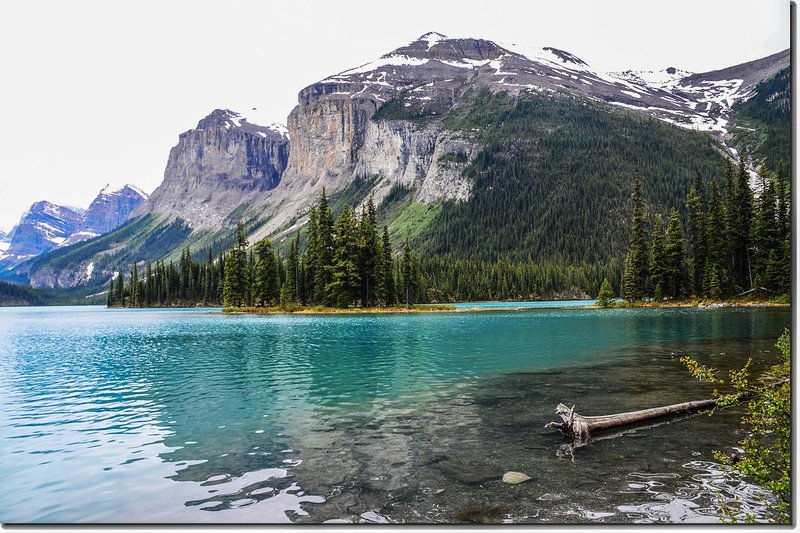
<point x="450" y="308"/>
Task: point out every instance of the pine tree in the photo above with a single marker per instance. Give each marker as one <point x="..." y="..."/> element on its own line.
<point x="717" y="279"/>
<point x="367" y="251"/>
<point x="696" y="229"/>
<point x="266" y="275"/>
<point x="765" y="235"/>
<point x="111" y="302"/>
<point x="343" y="289"/>
<point x="606" y="294"/>
<point x="408" y="275"/>
<point x="635" y="281"/>
<point x="323" y="268"/>
<point x="293" y="271"/>
<point x="208" y="280"/>
<point x="675" y="257"/>
<point x="310" y="257"/>
<point x="120" y="297"/>
<point x="149" y="286"/>
<point x="134" y="287"/>
<point x="237" y="277"/>
<point x="658" y="269"/>
<point x="390" y="296"/>
<point x="221" y="277"/>
<point x="740" y="232"/>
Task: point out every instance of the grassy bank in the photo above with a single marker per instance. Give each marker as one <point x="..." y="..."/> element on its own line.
<point x="322" y="310"/>
<point x="777" y="301"/>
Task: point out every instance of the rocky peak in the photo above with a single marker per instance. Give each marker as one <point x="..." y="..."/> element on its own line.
<point x="245" y="122"/>
<point x="227" y="160"/>
<point x="43" y="227"/>
<point x="112" y="208"/>
<point x="438" y="47"/>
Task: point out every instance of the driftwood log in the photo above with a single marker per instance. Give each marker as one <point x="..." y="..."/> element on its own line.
<point x="580" y="427"/>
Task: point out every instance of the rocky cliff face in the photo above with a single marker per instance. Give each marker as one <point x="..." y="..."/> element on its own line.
<point x="383" y="120"/>
<point x="387" y="121"/>
<point x="222" y="164"/>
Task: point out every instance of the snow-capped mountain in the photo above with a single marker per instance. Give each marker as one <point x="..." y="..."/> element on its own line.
<point x="43" y="227"/>
<point x="395" y="124"/>
<point x="434" y="63"/>
<point x="111" y="208"/>
<point x="46" y="226"/>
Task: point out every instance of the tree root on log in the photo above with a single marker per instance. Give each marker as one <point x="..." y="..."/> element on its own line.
<point x="581" y="427"/>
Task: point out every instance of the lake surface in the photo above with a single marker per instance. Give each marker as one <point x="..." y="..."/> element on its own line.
<point x="549" y="304"/>
<point x="194" y="416"/>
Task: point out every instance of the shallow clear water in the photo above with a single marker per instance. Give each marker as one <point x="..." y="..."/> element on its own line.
<point x="193" y="416"/>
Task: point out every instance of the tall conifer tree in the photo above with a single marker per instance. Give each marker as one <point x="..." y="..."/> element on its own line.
<point x="675" y="257"/>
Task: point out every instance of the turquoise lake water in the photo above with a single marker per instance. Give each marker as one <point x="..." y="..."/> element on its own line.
<point x="193" y="416"/>
<point x="550" y="304"/>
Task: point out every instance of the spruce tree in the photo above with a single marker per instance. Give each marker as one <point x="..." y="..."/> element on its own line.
<point x="323" y="267"/>
<point x="367" y="251"/>
<point x="658" y="269"/>
<point x="134" y="284"/>
<point x="765" y="235"/>
<point x="343" y="289"/>
<point x="310" y="257"/>
<point x="390" y="297"/>
<point x="237" y="276"/>
<point x="120" y="297"/>
<point x="606" y="294"/>
<point x="675" y="257"/>
<point x="696" y="230"/>
<point x="408" y="275"/>
<point x="635" y="280"/>
<point x="266" y="291"/>
<point x="110" y="301"/>
<point x="149" y="286"/>
<point x="740" y="232"/>
<point x="293" y="271"/>
<point x="717" y="279"/>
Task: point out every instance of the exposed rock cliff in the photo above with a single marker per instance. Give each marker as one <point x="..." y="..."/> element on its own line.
<point x="390" y="122"/>
<point x="222" y="164"/>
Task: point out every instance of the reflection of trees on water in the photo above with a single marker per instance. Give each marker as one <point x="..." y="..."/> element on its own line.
<point x="262" y="408"/>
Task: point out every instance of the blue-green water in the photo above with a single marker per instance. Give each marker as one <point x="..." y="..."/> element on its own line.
<point x="194" y="416"/>
<point x="549" y="304"/>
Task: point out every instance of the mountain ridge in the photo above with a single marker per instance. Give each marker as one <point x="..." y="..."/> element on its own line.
<point x="392" y="125"/>
<point x="46" y="226"/>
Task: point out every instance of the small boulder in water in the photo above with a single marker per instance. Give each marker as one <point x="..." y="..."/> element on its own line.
<point x="515" y="478"/>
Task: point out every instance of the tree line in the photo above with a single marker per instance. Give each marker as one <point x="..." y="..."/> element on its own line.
<point x="345" y="262"/>
<point x="731" y="241"/>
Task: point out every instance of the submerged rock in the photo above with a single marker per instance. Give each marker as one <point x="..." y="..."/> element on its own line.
<point x="515" y="478"/>
<point x="467" y="474"/>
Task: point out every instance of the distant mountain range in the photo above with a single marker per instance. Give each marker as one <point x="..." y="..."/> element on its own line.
<point x="46" y="226"/>
<point x="470" y="147"/>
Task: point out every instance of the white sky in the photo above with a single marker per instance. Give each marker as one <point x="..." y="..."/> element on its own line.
<point x="97" y="92"/>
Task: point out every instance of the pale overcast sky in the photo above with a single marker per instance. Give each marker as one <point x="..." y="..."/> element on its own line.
<point x="97" y="92"/>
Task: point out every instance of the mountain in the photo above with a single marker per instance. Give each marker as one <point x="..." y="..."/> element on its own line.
<point x="47" y="226"/>
<point x="230" y="160"/>
<point x="112" y="208"/>
<point x="471" y="147"/>
<point x="43" y="227"/>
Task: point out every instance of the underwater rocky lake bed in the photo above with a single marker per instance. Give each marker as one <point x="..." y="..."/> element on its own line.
<point x="189" y="415"/>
